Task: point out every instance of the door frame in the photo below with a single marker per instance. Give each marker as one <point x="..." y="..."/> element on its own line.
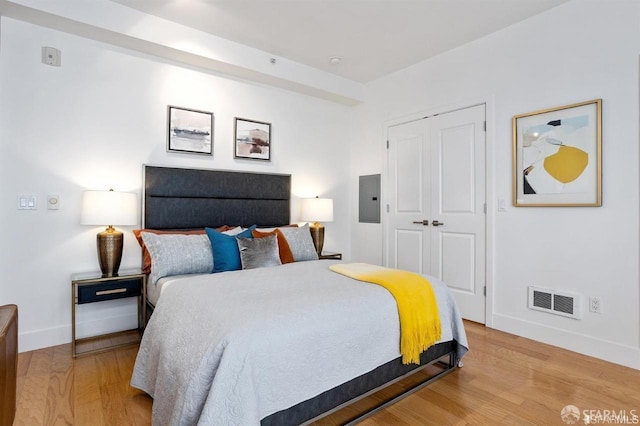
<point x="490" y="193"/>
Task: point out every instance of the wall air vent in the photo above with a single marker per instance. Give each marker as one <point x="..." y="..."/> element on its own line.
<point x="554" y="302"/>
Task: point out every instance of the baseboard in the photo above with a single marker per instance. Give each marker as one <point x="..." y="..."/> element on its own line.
<point x="33" y="340"/>
<point x="628" y="356"/>
<point x="38" y="339"/>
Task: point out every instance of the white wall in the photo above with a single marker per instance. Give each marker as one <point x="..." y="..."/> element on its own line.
<point x="91" y="124"/>
<point x="579" y="51"/>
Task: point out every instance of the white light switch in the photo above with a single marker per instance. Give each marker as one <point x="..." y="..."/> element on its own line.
<point x="27" y="202"/>
<point x="502" y="205"/>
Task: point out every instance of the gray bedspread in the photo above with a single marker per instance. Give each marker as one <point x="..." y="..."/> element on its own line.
<point x="234" y="347"/>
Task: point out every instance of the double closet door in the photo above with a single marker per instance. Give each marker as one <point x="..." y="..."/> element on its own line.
<point x="436" y="211"/>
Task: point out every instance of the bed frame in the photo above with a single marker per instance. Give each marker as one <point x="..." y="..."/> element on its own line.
<point x="178" y="198"/>
<point x="181" y="198"/>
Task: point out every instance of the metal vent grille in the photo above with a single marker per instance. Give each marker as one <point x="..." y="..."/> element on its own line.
<point x="542" y="299"/>
<point x="554" y="302"/>
<point x="563" y="304"/>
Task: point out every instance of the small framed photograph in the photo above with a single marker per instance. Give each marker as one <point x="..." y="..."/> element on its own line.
<point x="189" y="130"/>
<point x="252" y="139"/>
<point x="557" y="156"/>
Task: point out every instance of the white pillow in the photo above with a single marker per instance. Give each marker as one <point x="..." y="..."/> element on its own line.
<point x="300" y="242"/>
<point x="233" y="231"/>
<point x="177" y="254"/>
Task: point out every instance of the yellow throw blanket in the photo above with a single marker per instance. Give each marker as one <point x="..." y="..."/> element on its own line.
<point x="417" y="306"/>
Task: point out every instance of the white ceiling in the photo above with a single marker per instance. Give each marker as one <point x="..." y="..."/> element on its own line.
<point x="373" y="37"/>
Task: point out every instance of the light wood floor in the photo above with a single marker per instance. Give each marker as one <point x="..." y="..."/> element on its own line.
<point x="505" y="380"/>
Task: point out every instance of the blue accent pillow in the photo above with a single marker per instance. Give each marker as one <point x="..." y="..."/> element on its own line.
<point x="226" y="255"/>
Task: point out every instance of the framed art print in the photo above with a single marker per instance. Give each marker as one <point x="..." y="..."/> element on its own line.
<point x="252" y="139"/>
<point x="557" y="156"/>
<point x="189" y="130"/>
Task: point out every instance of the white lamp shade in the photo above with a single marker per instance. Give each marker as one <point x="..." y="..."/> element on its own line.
<point x="109" y="208"/>
<point x="316" y="210"/>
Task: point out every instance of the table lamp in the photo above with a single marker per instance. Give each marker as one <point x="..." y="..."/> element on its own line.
<point x="109" y="208"/>
<point x="317" y="210"/>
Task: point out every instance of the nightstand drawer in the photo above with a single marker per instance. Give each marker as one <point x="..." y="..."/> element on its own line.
<point x="98" y="292"/>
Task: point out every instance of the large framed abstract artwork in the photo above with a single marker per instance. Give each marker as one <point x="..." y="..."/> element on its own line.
<point x="557" y="156"/>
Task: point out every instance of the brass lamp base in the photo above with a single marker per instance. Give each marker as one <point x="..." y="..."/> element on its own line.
<point x="317" y="235"/>
<point x="109" y="244"/>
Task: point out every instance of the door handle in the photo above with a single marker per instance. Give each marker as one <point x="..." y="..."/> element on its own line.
<point x="422" y="222"/>
<point x="436" y="223"/>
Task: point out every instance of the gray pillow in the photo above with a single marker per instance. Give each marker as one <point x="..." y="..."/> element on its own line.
<point x="177" y="254"/>
<point x="259" y="252"/>
<point x="300" y="242"/>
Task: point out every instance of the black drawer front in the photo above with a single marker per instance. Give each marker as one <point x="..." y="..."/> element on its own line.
<point x="109" y="290"/>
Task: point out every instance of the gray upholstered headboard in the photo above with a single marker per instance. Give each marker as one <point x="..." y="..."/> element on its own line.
<point x="180" y="198"/>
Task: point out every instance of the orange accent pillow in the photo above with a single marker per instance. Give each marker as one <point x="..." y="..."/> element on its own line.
<point x="146" y="257"/>
<point x="283" y="246"/>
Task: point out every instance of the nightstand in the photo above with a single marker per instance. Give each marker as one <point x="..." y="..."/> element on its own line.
<point x="330" y="255"/>
<point x="93" y="287"/>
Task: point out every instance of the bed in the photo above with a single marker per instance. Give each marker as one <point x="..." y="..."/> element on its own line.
<point x="276" y="345"/>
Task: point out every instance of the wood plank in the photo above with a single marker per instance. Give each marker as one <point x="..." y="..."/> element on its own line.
<point x="40" y="362"/>
<point x="31" y="406"/>
<point x="114" y="405"/>
<point x="24" y="359"/>
<point x="90" y="413"/>
<point x="87" y="399"/>
<point x="139" y="405"/>
<point x="21" y="372"/>
<point x="59" y="409"/>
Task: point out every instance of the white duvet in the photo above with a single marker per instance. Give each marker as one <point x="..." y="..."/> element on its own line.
<point x="234" y="347"/>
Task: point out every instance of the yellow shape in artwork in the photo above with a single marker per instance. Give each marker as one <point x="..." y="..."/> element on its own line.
<point x="567" y="164"/>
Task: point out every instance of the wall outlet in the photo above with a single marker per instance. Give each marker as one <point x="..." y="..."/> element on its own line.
<point x="595" y="305"/>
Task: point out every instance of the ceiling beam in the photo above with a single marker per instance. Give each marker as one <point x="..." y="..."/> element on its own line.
<point x="203" y="63"/>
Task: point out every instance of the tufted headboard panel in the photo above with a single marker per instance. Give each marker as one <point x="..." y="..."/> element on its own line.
<point x="181" y="198"/>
